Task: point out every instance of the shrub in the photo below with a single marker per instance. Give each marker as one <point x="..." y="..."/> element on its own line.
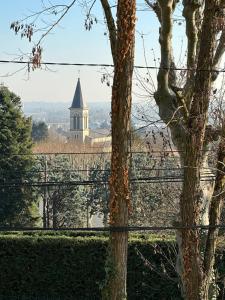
<point x="71" y="265"/>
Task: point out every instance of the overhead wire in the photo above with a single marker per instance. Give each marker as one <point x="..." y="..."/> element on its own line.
<point x="219" y="70"/>
<point x="58" y="170"/>
<point x="155" y="179"/>
<point x="102" y="153"/>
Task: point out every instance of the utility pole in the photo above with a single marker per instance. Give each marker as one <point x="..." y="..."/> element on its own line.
<point x="87" y="204"/>
<point x="54" y="210"/>
<point x="45" y="196"/>
<point x="45" y="199"/>
<point x="47" y="192"/>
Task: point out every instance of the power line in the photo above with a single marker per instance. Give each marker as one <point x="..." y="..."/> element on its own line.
<point x="219" y="70"/>
<point x="102" y="153"/>
<point x="117" y="229"/>
<point x="155" y="179"/>
<point x="71" y="171"/>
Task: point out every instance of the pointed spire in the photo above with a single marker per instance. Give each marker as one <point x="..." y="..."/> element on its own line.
<point x="78" y="101"/>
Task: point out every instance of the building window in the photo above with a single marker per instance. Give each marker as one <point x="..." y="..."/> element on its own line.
<point x="78" y="122"/>
<point x="74" y="122"/>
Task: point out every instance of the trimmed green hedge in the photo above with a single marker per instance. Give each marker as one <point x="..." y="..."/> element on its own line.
<point x="53" y="266"/>
<point x="71" y="266"/>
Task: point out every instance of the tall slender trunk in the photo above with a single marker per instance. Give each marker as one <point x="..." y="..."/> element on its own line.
<point x="119" y="180"/>
<point x="191" y="199"/>
<point x="189" y="127"/>
<point x="190" y="216"/>
<point x="214" y="219"/>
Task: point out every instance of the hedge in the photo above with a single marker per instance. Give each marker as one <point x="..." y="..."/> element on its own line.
<point x="71" y="266"/>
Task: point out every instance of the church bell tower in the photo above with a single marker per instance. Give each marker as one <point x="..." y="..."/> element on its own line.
<point x="79" y="115"/>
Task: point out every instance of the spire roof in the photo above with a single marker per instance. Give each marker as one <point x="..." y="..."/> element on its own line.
<point x="78" y="101"/>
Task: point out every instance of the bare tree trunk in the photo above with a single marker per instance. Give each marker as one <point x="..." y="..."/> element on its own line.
<point x="214" y="219"/>
<point x="185" y="110"/>
<point x="119" y="181"/>
<point x="191" y="198"/>
<point x="190" y="240"/>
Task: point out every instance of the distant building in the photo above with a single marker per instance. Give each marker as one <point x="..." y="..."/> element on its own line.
<point x="79" y="122"/>
<point x="79" y="115"/>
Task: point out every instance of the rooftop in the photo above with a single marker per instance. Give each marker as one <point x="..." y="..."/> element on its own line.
<point x="78" y="101"/>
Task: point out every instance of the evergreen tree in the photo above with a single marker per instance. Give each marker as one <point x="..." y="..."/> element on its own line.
<point x="16" y="202"/>
<point x="39" y="131"/>
<point x="99" y="192"/>
<point x="65" y="204"/>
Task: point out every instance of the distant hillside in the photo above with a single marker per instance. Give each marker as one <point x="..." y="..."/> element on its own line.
<point x="58" y="112"/>
<point x="99" y="113"/>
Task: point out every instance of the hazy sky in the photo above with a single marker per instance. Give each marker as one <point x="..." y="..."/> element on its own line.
<point x="69" y="42"/>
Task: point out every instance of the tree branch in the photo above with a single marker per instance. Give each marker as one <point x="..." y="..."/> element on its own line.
<point x="57" y="22"/>
<point x="155" y="7"/>
<point x="218" y="54"/>
<point x="166" y="7"/>
<point x="92" y="5"/>
<point x="192" y="30"/>
<point x="111" y="27"/>
<point x="189" y="11"/>
<point x="172" y="78"/>
<point x="215" y="208"/>
<point x="167" y="97"/>
<point x="203" y="80"/>
<point x="27" y="30"/>
<point x="49" y="9"/>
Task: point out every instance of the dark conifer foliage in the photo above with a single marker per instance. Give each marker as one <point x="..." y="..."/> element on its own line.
<point x="16" y="204"/>
<point x="39" y="131"/>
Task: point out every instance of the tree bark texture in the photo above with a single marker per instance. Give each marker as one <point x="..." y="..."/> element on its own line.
<point x="119" y="180"/>
<point x="214" y="218"/>
<point x="191" y="200"/>
<point x="185" y="110"/>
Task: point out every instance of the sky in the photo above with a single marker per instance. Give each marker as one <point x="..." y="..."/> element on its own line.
<point x="70" y="42"/>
